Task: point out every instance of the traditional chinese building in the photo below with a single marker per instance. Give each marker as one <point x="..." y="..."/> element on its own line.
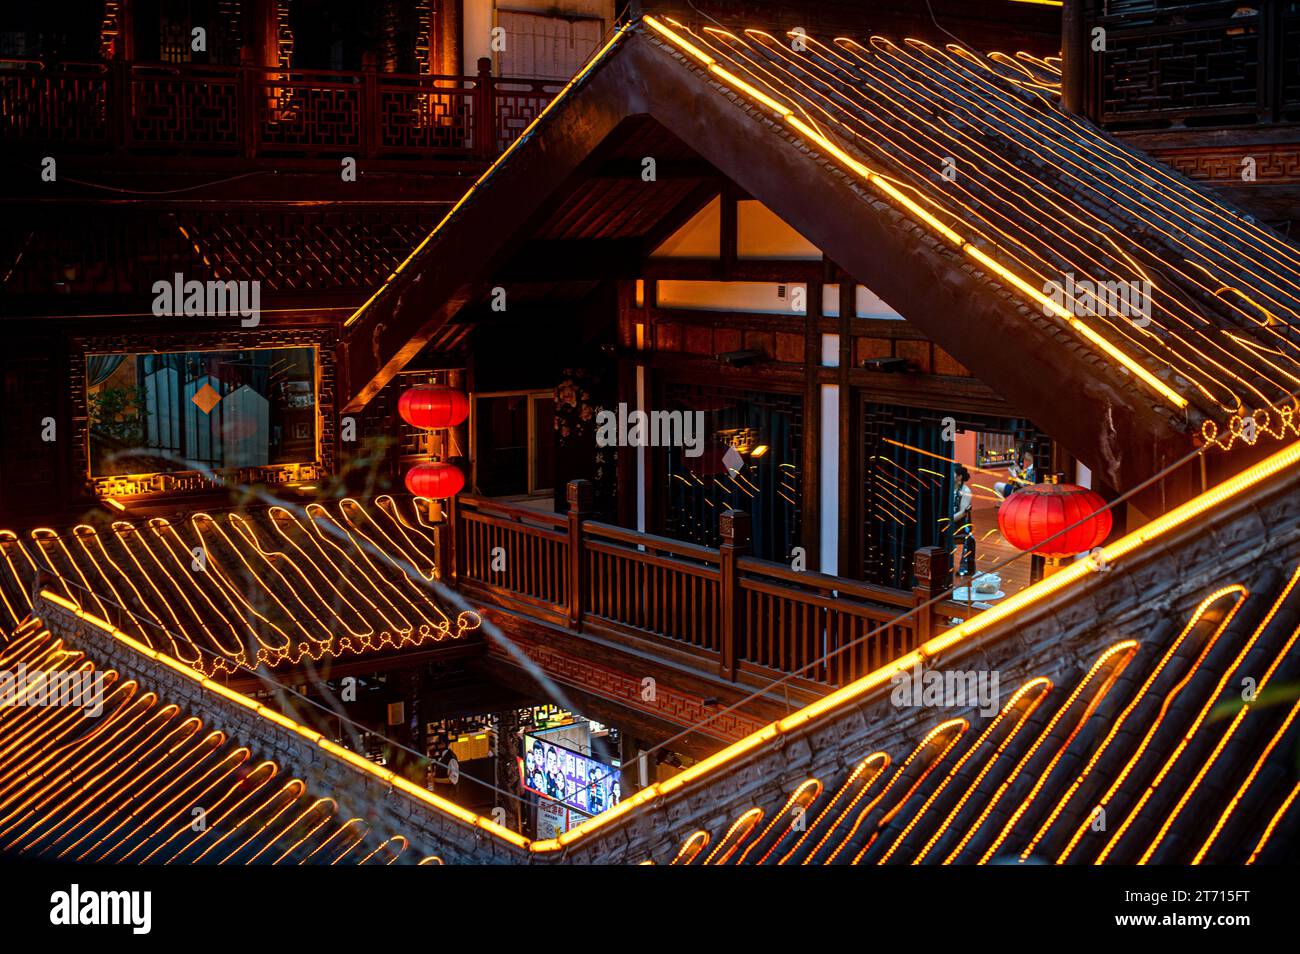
<point x="733" y="308"/>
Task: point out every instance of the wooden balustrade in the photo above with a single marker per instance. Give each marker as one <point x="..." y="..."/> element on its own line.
<point x="653" y="586"/>
<point x="722" y="608"/>
<point x="521" y="552"/>
<point x="803" y="621"/>
<point x="252" y="112"/>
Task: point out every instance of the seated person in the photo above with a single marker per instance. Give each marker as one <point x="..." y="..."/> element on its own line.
<point x="1021" y="474"/>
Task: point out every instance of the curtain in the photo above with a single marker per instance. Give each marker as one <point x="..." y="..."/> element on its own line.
<point x="767" y="486"/>
<point x="100" y="367"/>
<point x="907" y="489"/>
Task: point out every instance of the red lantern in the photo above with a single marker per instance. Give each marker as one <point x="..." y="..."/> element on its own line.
<point x="432" y="406"/>
<point x="435" y="481"/>
<point x="1033" y="514"/>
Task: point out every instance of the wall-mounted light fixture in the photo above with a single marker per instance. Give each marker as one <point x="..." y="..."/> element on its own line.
<point x="738" y="359"/>
<point x="885" y="365"/>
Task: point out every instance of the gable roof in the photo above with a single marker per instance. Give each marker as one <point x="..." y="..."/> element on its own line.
<point x="954" y="187"/>
<point x="1141" y="754"/>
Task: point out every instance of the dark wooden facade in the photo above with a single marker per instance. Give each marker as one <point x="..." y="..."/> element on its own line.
<point x="1211" y="88"/>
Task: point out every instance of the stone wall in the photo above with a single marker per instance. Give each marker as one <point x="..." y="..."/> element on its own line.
<point x="1143" y="598"/>
<point x="358" y="793"/>
<point x="1253" y="537"/>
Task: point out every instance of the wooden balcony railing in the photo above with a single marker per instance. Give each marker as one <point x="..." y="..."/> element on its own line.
<point x="1196" y="64"/>
<point x="253" y="112"/>
<point x="719" y="608"/>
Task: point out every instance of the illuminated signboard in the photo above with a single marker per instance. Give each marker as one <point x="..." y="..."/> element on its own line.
<point x="569" y="777"/>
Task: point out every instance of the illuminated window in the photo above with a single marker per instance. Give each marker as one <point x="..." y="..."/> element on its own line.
<point x="197" y="410"/>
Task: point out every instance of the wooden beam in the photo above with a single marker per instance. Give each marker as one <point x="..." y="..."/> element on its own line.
<point x="810" y="479"/>
<point x="747" y="270"/>
<point x="1098" y="412"/>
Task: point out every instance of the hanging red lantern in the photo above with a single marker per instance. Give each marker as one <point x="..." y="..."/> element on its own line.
<point x="435" y="481"/>
<point x="1033" y="514"/>
<point x="432" y="406"/>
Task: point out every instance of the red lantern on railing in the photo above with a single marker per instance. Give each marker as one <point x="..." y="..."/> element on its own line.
<point x="432" y="406"/>
<point x="435" y="481"/>
<point x="1033" y="514"/>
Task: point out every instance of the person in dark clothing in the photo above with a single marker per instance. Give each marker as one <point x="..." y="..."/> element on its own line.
<point x="963" y="532"/>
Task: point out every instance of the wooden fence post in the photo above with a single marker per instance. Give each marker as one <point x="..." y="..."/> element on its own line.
<point x="734" y="528"/>
<point x="582" y="506"/>
<point x="932" y="567"/>
<point x="485" y="120"/>
<point x="444" y="542"/>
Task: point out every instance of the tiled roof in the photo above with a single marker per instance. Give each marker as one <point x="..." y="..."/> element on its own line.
<point x="979" y="152"/>
<point x="1148" y="756"/>
<point x="147" y="782"/>
<point x="1145" y="717"/>
<point x="222" y="592"/>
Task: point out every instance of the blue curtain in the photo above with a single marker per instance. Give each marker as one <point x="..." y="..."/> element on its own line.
<point x="767" y="486"/>
<point x="100" y="367"/>
<point x="907" y="488"/>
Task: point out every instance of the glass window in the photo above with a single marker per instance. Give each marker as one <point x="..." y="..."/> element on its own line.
<point x="195" y="410"/>
<point x="909" y="491"/>
<point x="514" y="443"/>
<point x="751" y="461"/>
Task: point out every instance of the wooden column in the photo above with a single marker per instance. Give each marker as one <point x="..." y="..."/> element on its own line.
<point x="810" y="482"/>
<point x="728" y="231"/>
<point x="582" y="506"/>
<point x="455" y="448"/>
<point x="933" y="569"/>
<point x="734" y="528"/>
<point x="625" y="390"/>
<point x="444" y="543"/>
<point x="1074" y="50"/>
<point x="262" y="33"/>
<point x="485" y="136"/>
<point x="444" y="38"/>
<point x="850" y="557"/>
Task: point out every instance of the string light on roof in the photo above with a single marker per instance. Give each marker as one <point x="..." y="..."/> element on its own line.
<point x="908" y="105"/>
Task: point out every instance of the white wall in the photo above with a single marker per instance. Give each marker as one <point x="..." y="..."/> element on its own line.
<point x="480" y="17"/>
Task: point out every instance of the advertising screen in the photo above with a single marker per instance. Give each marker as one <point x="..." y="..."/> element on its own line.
<point x="569" y="777"/>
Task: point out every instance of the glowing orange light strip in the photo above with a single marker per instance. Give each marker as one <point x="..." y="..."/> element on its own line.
<point x="918" y="211"/>
<point x="1076" y="572"/>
